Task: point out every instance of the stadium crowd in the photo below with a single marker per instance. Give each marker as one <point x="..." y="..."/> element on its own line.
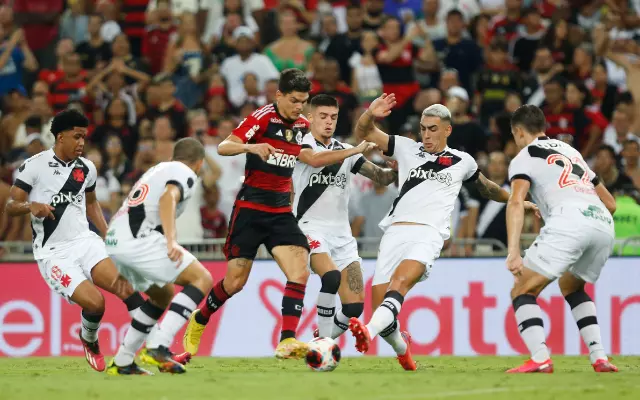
<point x="148" y="72"/>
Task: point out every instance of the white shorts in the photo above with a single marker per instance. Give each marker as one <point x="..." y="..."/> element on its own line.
<point x="144" y="261"/>
<point x="421" y="243"/>
<point x="583" y="251"/>
<point x="66" y="269"/>
<point x="343" y="250"/>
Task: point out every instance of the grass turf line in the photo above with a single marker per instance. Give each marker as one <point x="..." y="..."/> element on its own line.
<point x="368" y="378"/>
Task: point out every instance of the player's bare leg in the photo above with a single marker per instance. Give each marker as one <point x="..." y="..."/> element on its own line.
<point x="196" y="281"/>
<point x="105" y="275"/>
<point x="89" y="298"/>
<point x="238" y="270"/>
<point x="293" y="262"/>
<point x="350" y="287"/>
<point x="524" y="294"/>
<point x="384" y="319"/>
<point x="584" y="312"/>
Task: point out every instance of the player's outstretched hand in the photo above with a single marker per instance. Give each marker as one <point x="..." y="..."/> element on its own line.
<point x="393" y="164"/>
<point x="366" y="146"/>
<point x="174" y="251"/>
<point x="263" y="150"/>
<point x="40" y="210"/>
<point x="381" y="107"/>
<point x="515" y="265"/>
<point x="530" y="207"/>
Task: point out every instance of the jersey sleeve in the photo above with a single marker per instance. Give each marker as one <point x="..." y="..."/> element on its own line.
<point x="93" y="176"/>
<point x="399" y="145"/>
<point x="519" y="169"/>
<point x="184" y="180"/>
<point x="252" y="127"/>
<point x="472" y="172"/>
<point x="27" y="176"/>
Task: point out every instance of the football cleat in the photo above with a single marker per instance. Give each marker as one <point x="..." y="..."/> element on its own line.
<point x="193" y="334"/>
<point x="183" y="358"/>
<point x="291" y="348"/>
<point x="92" y="354"/>
<point x="132" y="369"/>
<point x="361" y="333"/>
<point x="531" y="366"/>
<point x="163" y="359"/>
<point x="316" y="333"/>
<point x="406" y="360"/>
<point x="603" y="365"/>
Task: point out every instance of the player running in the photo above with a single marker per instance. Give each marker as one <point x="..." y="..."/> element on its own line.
<point x="272" y="138"/>
<point x="57" y="187"/>
<point x="415" y="229"/>
<point x="321" y="206"/>
<point x="142" y="241"/>
<point x="574" y="244"/>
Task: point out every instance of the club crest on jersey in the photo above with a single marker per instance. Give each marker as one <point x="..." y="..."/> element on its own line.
<point x="445" y="160"/>
<point x="282" y="160"/>
<point x="338" y="180"/>
<point x="56" y="273"/>
<point x="430" y="174"/>
<point x="288" y="134"/>
<point x="299" y="137"/>
<point x="78" y="175"/>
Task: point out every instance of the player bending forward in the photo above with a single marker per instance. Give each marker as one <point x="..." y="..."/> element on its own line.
<point x="574" y="244"/>
<point x="415" y="229"/>
<point x="57" y="187"/>
<point x="321" y="206"/>
<point x="142" y="241"/>
<point x="272" y="138"/>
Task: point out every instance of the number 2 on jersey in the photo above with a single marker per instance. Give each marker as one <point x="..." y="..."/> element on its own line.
<point x="567" y="168"/>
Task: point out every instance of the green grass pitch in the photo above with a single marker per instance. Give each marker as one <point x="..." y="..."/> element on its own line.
<point x="367" y="378"/>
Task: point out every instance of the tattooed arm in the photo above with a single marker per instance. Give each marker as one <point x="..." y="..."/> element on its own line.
<point x="490" y="190"/>
<point x="367" y="130"/>
<point x="381" y="176"/>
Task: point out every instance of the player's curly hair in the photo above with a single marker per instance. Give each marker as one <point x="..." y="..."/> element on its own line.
<point x="188" y="150"/>
<point x="294" y="80"/>
<point x="68" y="120"/>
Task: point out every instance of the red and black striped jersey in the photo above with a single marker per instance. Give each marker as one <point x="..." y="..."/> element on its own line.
<point x="568" y="122"/>
<point x="132" y="17"/>
<point x="64" y="91"/>
<point x="267" y="184"/>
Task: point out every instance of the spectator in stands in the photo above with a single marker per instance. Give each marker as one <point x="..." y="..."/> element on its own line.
<point x="169" y="106"/>
<point x="580" y="69"/>
<point x="39" y="19"/>
<point x="373" y="15"/>
<point x="214" y="222"/>
<point x="15" y="56"/>
<point x="492" y="216"/>
<point x="507" y="23"/>
<point x="41" y="113"/>
<point x="527" y="39"/>
<point x="606" y="168"/>
<point x="603" y="93"/>
<point x="234" y="69"/>
<point x="74" y="23"/>
<point x="435" y="28"/>
<point x="355" y="21"/>
<point x="110" y="27"/>
<point x="543" y="70"/>
<point x="16" y="110"/>
<point x="70" y="87"/>
<point x="557" y="40"/>
<point x="157" y="37"/>
<point x="63" y="48"/>
<point x="164" y="136"/>
<point x="117" y="162"/>
<point x="116" y="122"/>
<point x="619" y="130"/>
<point x="290" y="51"/>
<point x="94" y="51"/>
<point x="456" y="51"/>
<point x="631" y="157"/>
<point x="579" y="97"/>
<point x="121" y="50"/>
<point x="366" y="83"/>
<point x="107" y="186"/>
<point x="132" y="21"/>
<point x="467" y="135"/>
<point x="336" y="46"/>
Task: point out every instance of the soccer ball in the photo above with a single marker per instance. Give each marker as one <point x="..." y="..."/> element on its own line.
<point x="324" y="354"/>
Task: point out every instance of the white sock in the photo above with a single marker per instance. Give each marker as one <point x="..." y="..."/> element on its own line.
<point x="386" y="313"/>
<point x="340" y="324"/>
<point x="90" y="325"/>
<point x="529" y="319"/>
<point x="326" y="309"/>
<point x="392" y="335"/>
<point x="144" y="320"/>
<point x="179" y="312"/>
<point x="584" y="312"/>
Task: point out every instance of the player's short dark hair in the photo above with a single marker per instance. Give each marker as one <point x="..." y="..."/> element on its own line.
<point x="530" y="118"/>
<point x="324" y="100"/>
<point x="67" y="120"/>
<point x="294" y="80"/>
<point x="188" y="150"/>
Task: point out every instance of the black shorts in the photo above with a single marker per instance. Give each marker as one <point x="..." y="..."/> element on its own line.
<point x="250" y="228"/>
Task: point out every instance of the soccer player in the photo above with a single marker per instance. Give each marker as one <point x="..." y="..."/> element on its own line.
<point x="142" y="241"/>
<point x="321" y="181"/>
<point x="574" y="244"/>
<point x="272" y="138"/>
<point x="431" y="175"/>
<point x="57" y="187"/>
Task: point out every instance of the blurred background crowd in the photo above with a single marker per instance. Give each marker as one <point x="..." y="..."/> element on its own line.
<point x="148" y="72"/>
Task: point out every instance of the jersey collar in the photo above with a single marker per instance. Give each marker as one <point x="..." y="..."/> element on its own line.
<point x="63" y="163"/>
<point x="545" y="137"/>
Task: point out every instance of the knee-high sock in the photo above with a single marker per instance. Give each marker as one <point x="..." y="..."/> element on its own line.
<point x="341" y="319"/>
<point x="392" y="335"/>
<point x="386" y="313"/>
<point x="584" y="312"/>
<point x="529" y="318"/>
<point x="292" y="303"/>
<point x="179" y="312"/>
<point x="144" y="320"/>
<point x="216" y="298"/>
<point x="327" y="302"/>
<point x="90" y="325"/>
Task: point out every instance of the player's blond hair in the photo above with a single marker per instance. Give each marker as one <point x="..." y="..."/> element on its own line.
<point x="438" y="110"/>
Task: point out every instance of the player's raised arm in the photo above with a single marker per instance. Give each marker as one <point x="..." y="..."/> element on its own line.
<point x="366" y="128"/>
<point x="94" y="213"/>
<point x="318" y="159"/>
<point x="515" y="221"/>
<point x="381" y="176"/>
<point x="167" y="205"/>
